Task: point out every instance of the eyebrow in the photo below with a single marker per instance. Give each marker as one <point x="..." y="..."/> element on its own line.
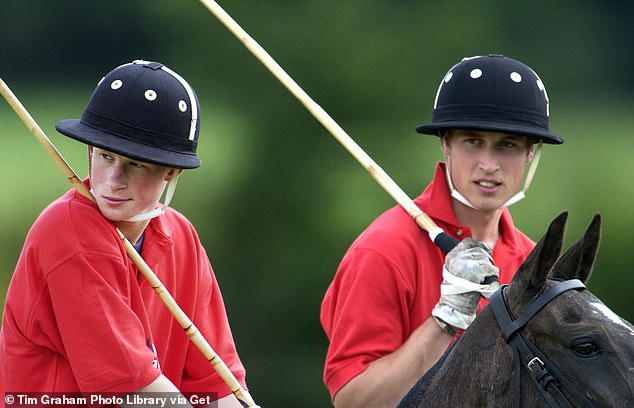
<point x="475" y="133"/>
<point x="515" y="137"/>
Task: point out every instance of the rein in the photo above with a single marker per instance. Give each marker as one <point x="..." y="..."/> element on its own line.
<point x="548" y="379"/>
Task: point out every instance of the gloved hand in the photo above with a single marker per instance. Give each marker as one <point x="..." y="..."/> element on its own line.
<point x="467" y="267"/>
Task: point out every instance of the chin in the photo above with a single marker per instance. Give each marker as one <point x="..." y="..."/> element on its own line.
<point x="487" y="204"/>
<point x="114" y="216"/>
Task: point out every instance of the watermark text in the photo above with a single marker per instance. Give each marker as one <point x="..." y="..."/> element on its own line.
<point x="31" y="400"/>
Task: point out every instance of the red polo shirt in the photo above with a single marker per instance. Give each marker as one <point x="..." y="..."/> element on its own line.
<point x="80" y="318"/>
<point x="389" y="281"/>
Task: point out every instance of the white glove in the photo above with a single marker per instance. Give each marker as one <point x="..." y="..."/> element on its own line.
<point x="467" y="267"/>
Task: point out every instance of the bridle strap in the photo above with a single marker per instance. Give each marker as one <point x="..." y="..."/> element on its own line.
<point x="542" y="371"/>
<point x="546" y="376"/>
<point x="505" y="319"/>
<point x="533" y="360"/>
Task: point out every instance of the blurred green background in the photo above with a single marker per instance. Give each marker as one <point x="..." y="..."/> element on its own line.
<point x="277" y="200"/>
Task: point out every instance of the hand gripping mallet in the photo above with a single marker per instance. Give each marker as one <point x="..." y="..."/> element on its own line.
<point x="444" y="241"/>
<point x="190" y="329"/>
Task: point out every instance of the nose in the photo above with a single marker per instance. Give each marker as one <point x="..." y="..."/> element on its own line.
<point x="488" y="160"/>
<point x="116" y="177"/>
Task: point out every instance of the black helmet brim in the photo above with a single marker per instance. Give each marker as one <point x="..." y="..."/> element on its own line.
<point x="515" y="129"/>
<point x="78" y="130"/>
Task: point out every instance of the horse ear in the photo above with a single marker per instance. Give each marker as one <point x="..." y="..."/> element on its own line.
<point x="530" y="277"/>
<point x="578" y="261"/>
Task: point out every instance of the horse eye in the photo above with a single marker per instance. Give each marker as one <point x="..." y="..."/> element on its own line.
<point x="586" y="349"/>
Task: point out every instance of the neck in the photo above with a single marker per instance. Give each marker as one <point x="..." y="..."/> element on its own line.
<point x="132" y="230"/>
<point x="485" y="225"/>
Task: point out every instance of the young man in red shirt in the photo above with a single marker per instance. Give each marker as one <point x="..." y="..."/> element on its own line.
<point x="385" y="314"/>
<point x="79" y="318"/>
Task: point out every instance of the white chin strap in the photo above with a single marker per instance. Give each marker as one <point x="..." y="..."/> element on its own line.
<point x="160" y="210"/>
<point x="517" y="197"/>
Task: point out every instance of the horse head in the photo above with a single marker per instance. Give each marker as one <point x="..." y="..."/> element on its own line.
<point x="577" y="345"/>
<point x="588" y="344"/>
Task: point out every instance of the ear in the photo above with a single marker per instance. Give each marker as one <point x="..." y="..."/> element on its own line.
<point x="172" y="173"/>
<point x="530" y="277"/>
<point x="444" y="143"/>
<point x="530" y="152"/>
<point x="578" y="261"/>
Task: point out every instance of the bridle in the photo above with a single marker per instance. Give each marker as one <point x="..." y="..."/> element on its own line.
<point x="548" y="379"/>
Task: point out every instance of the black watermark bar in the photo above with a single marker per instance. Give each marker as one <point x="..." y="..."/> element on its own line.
<point x="138" y="400"/>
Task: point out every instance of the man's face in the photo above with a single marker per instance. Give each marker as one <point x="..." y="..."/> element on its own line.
<point x="486" y="167"/>
<point x="125" y="187"/>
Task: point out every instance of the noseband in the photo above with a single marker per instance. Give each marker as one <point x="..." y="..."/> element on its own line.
<point x="548" y="379"/>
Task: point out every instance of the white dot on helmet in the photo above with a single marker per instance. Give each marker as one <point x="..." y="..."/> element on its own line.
<point x="476" y="73"/>
<point x="150" y="95"/>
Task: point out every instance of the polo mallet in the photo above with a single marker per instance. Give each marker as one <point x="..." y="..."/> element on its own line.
<point x="190" y="329"/>
<point x="444" y="241"/>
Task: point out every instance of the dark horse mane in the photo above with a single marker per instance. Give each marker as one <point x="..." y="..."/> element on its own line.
<point x="478" y="369"/>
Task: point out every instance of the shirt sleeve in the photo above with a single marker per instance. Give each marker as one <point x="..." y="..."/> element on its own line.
<point x="99" y="315"/>
<point x="365" y="315"/>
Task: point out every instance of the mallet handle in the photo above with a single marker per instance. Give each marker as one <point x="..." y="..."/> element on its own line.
<point x="444" y="241"/>
<point x="196" y="337"/>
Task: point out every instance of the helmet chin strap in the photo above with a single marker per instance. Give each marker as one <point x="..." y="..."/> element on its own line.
<point x="515" y="198"/>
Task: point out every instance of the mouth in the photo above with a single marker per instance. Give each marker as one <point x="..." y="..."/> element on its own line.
<point x="488" y="186"/>
<point x="114" y="200"/>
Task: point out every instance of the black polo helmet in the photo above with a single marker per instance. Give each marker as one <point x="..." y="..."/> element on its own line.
<point x="144" y="111"/>
<point x="492" y="93"/>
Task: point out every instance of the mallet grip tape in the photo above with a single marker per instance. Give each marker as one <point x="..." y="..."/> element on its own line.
<point x="443" y="240"/>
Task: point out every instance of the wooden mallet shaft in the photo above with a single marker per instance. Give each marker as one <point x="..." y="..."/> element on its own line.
<point x="440" y="238"/>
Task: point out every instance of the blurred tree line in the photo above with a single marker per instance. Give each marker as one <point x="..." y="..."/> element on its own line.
<point x="277" y="200"/>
